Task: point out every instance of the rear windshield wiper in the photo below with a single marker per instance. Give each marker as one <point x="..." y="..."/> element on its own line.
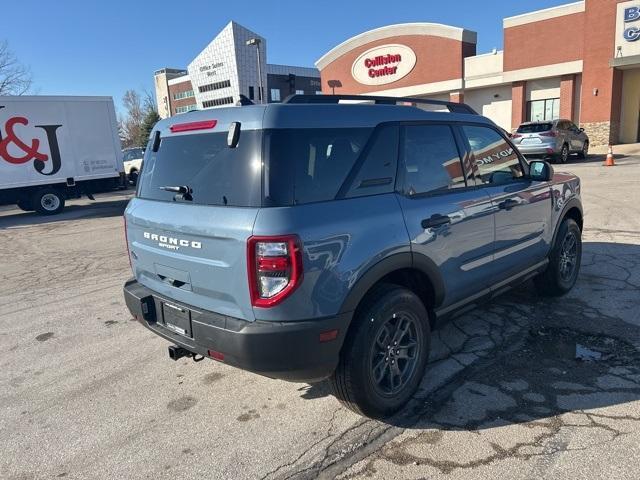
<point x="178" y="189"/>
<point x="183" y="192"/>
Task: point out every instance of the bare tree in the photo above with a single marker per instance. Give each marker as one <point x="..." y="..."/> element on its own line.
<point x="132" y="123"/>
<point x="140" y="117"/>
<point x="15" y="78"/>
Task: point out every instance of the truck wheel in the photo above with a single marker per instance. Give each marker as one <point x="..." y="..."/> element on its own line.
<point x="133" y="177"/>
<point x="48" y="201"/>
<point x="25" y="205"/>
<point x="385" y="354"/>
<point x="564" y="261"/>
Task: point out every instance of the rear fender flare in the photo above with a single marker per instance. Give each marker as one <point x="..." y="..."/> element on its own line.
<point x="390" y="264"/>
<point x="572" y="203"/>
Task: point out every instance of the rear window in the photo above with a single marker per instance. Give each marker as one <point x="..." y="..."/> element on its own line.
<point x="216" y="174"/>
<point x="535" y="128"/>
<point x="310" y="165"/>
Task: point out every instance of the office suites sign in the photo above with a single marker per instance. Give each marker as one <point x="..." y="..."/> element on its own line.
<point x="383" y="64"/>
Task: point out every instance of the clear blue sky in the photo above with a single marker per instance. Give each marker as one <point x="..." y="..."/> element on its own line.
<point x="105" y="47"/>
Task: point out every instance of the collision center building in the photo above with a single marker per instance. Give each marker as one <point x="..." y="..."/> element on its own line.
<point x="579" y="61"/>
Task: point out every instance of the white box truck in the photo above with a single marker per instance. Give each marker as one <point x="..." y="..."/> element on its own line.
<point x="54" y="148"/>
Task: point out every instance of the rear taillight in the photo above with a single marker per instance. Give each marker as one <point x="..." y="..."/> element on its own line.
<point x="274" y="266"/>
<point x="550" y="133"/>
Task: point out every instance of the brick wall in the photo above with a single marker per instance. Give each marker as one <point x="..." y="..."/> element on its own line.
<point x="547" y="42"/>
<point x="518" y="103"/>
<point x="567" y="94"/>
<point x="601" y="84"/>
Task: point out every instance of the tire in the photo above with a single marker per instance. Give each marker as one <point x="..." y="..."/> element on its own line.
<point x="585" y="150"/>
<point x="556" y="280"/>
<point x="387" y="312"/>
<point x="48" y="201"/>
<point x="564" y="154"/>
<point x="133" y="177"/>
<point x="25" y="205"/>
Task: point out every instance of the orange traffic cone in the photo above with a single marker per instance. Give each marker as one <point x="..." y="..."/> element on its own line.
<point x="610" y="162"/>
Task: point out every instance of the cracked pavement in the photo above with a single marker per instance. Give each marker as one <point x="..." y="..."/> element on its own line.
<point x="523" y="387"/>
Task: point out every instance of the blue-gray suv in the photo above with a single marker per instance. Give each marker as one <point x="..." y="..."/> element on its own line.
<point x="327" y="236"/>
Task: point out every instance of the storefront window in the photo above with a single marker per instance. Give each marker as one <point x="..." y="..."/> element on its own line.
<point x="275" y="95"/>
<point x="541" y="110"/>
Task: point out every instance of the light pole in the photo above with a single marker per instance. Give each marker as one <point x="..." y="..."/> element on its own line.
<point x="257" y="42"/>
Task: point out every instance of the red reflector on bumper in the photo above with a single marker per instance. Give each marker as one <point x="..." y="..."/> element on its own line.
<point x="328" y="336"/>
<point x="216" y="355"/>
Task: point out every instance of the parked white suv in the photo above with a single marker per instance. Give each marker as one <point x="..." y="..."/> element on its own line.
<point x="132" y="163"/>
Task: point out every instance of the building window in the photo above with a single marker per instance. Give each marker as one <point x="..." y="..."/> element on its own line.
<point x="186" y="108"/>
<point x="299" y="92"/>
<point x="214" y="86"/>
<point x="181" y="95"/>
<point x="318" y="92"/>
<point x="251" y="93"/>
<point x="275" y="94"/>
<point x="543" y="110"/>
<point x="217" y="102"/>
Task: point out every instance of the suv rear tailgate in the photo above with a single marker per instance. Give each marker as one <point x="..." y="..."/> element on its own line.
<point x="195" y="254"/>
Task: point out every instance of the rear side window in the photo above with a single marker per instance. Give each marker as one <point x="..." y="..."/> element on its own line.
<point x="431" y="162"/>
<point x="376" y="171"/>
<point x="216" y="174"/>
<point x="309" y="165"/>
<point x="534" y="128"/>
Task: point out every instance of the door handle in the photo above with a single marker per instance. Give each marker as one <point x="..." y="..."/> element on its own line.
<point x="436" y="220"/>
<point x="508" y="204"/>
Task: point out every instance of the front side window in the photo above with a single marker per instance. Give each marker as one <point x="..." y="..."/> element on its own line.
<point x="493" y="160"/>
<point x="133" y="154"/>
<point x="431" y="162"/>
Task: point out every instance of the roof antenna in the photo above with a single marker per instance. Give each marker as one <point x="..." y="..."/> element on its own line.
<point x="243" y="101"/>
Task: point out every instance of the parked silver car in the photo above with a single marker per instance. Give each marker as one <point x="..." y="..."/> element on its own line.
<point x="556" y="139"/>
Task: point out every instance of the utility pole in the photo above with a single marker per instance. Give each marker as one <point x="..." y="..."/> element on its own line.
<point x="257" y="42"/>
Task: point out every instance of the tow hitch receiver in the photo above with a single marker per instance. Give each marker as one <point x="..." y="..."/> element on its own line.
<point x="176" y="353"/>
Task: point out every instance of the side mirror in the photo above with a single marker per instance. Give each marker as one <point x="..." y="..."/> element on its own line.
<point x="540" y="171"/>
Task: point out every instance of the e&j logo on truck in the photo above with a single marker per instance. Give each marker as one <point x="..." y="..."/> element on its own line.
<point x="16" y="150"/>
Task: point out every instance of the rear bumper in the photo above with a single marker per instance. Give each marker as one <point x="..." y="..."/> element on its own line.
<point x="286" y="350"/>
<point x="542" y="149"/>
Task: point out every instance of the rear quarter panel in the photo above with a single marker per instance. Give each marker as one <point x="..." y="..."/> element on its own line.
<point x="342" y="240"/>
<point x="565" y="194"/>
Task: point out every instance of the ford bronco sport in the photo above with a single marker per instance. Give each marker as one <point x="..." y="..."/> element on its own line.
<point x="318" y="239"/>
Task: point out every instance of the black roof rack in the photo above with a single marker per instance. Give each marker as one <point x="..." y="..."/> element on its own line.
<point x="453" y="107"/>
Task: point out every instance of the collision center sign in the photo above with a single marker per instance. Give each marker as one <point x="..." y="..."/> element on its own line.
<point x="383" y="64"/>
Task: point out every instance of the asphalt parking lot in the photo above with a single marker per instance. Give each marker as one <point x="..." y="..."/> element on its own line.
<point x="522" y="388"/>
